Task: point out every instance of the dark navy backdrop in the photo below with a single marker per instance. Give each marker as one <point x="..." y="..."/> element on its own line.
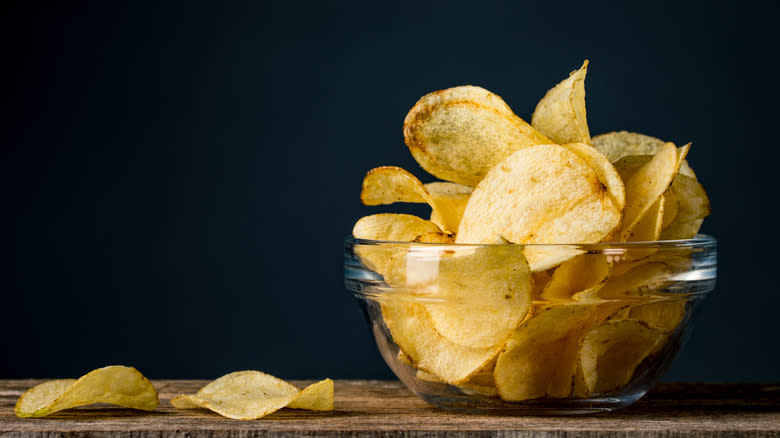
<point x="178" y="177"/>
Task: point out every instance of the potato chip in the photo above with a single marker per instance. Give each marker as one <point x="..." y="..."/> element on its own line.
<point x="388" y="227"/>
<point x="540" y="359"/>
<point x="483" y="293"/>
<point x="641" y="280"/>
<point x="389" y="184"/>
<point x="249" y="395"/>
<point x="541" y="280"/>
<point x="412" y="330"/>
<point x="460" y="133"/>
<point x="540" y="194"/>
<point x="609" y="353"/>
<point x="693" y="206"/>
<point x="561" y="114"/>
<point x="318" y="396"/>
<point x="648" y="228"/>
<point x="117" y="385"/>
<point x="647" y="184"/>
<point x="576" y="275"/>
<point x="682" y="230"/>
<point x="393" y="227"/>
<point x="664" y="315"/>
<point x="449" y="202"/>
<point x="670" y="206"/>
<point x="606" y="172"/>
<point x="617" y="145"/>
<point x="692" y="200"/>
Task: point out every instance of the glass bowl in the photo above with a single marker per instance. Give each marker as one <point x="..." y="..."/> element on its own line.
<point x="471" y="328"/>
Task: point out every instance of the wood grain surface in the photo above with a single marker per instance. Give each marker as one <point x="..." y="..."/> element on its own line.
<point x="385" y="408"/>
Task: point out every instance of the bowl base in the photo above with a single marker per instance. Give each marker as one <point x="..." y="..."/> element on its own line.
<point x="549" y="406"/>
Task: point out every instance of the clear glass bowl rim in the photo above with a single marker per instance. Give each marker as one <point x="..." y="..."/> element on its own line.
<point x="704" y="241"/>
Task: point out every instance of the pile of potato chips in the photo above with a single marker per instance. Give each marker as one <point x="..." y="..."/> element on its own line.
<point x="548" y="317"/>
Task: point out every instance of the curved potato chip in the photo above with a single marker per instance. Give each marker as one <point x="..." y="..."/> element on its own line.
<point x="117" y="385"/>
<point x="561" y="114"/>
<point x="412" y="330"/>
<point x="664" y="315"/>
<point x="540" y="359"/>
<point x="692" y="200"/>
<point x="682" y="230"/>
<point x="648" y="183"/>
<point x="249" y="395"/>
<point x="609" y="354"/>
<point x="318" y="396"/>
<point x="540" y="194"/>
<point x="449" y="202"/>
<point x="670" y="206"/>
<point x="606" y="172"/>
<point x="484" y="293"/>
<point x="648" y="228"/>
<point x="693" y="206"/>
<point x="576" y="275"/>
<point x="390" y="184"/>
<point x="393" y="227"/>
<point x="617" y="145"/>
<point x="460" y="133"/>
<point x="641" y="279"/>
<point x="388" y="227"/>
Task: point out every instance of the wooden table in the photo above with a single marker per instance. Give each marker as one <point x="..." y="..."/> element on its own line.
<point x="385" y="408"/>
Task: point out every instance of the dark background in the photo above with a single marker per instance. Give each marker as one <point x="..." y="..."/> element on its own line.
<point x="178" y="177"/>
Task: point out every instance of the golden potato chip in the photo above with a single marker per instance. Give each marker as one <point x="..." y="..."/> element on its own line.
<point x="389" y="184"/>
<point x="575" y="275"/>
<point x="692" y="201"/>
<point x="318" y="396"/>
<point x="541" y="280"/>
<point x="670" y="206"/>
<point x="388" y="227"/>
<point x="617" y="145"/>
<point x="664" y="315"/>
<point x="648" y="183"/>
<point x="642" y="279"/>
<point x="412" y="330"/>
<point x="682" y="230"/>
<point x="460" y="133"/>
<point x="540" y="359"/>
<point x="393" y="227"/>
<point x="449" y="202"/>
<point x="606" y="172"/>
<point x="249" y="395"/>
<point x="117" y="385"/>
<point x="648" y="228"/>
<point x="242" y="395"/>
<point x="479" y="294"/>
<point x="561" y="114"/>
<point x="693" y="206"/>
<point x="609" y="354"/>
<point x="540" y="194"/>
